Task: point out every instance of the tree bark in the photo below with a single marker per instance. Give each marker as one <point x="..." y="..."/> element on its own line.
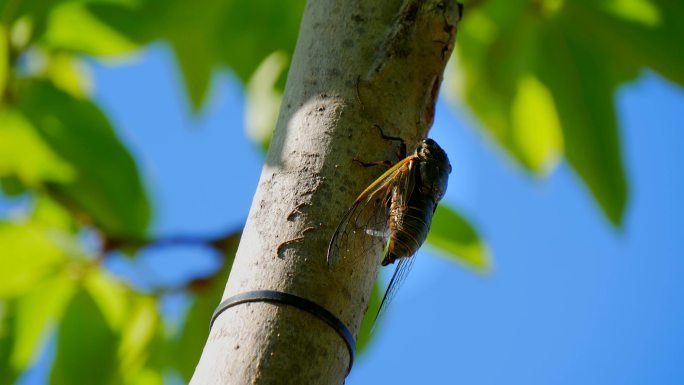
<point x="357" y="63"/>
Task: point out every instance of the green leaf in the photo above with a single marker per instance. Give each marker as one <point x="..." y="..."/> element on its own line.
<point x="68" y="74"/>
<point x="86" y="345"/>
<point x="452" y="236"/>
<point x="542" y="80"/>
<point x="196" y="66"/>
<point x="111" y="296"/>
<point x="240" y="34"/>
<point x="638" y="11"/>
<point x="29" y="253"/>
<point x="4" y="61"/>
<point x="161" y="352"/>
<point x="50" y="214"/>
<point x="147" y="376"/>
<point x="72" y="27"/>
<point x="132" y="316"/>
<point x="497" y="56"/>
<point x="262" y="99"/>
<point x="11" y="186"/>
<point x="255" y="29"/>
<point x="139" y="20"/>
<point x="24" y="154"/>
<point x="107" y="187"/>
<point x="583" y="84"/>
<point x="138" y="332"/>
<point x="208" y="33"/>
<point x="27" y="19"/>
<point x="188" y="348"/>
<point x="366" y="332"/>
<point x="637" y="33"/>
<point x="37" y="313"/>
<point x="535" y="126"/>
<point x="7" y="315"/>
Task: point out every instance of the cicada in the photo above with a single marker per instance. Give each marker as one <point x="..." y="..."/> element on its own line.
<point x="394" y="213"/>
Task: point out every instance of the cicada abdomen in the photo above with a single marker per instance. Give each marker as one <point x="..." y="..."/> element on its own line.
<point x="409" y="227"/>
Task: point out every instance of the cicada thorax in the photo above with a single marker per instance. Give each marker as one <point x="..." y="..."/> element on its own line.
<point x="409" y="226"/>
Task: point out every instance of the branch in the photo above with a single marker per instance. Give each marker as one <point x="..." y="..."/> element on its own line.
<point x="357" y="64"/>
<point x="220" y="243"/>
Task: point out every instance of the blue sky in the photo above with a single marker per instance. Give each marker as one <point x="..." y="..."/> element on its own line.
<point x="571" y="300"/>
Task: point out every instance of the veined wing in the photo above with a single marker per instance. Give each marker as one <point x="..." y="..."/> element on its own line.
<point x="400" y="273"/>
<point x="364" y="229"/>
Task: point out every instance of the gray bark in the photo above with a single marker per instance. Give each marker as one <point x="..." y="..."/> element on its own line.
<point x="357" y="63"/>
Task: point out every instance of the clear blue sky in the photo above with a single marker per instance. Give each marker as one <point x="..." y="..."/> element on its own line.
<point x="570" y="301"/>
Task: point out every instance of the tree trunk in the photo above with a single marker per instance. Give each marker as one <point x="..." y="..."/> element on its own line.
<point x="357" y="63"/>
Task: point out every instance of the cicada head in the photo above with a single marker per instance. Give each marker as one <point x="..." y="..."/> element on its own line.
<point x="430" y="151"/>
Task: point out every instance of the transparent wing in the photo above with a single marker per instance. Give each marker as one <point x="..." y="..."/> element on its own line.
<point x="364" y="229"/>
<point x="400" y="273"/>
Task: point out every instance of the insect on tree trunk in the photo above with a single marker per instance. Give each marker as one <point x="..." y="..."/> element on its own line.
<point x="357" y="64"/>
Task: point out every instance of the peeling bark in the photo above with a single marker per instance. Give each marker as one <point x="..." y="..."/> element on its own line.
<point x="357" y="63"/>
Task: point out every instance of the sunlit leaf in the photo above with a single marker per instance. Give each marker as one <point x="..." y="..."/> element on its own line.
<point x="24" y="154"/>
<point x="50" y="214"/>
<point x="37" y="313"/>
<point x="452" y="236"/>
<point x="71" y="27"/>
<point x="262" y="99"/>
<point x="107" y="187"/>
<point x="86" y="345"/>
<point x="29" y="253"/>
<point x="111" y="296"/>
<point x="147" y="376"/>
<point x="140" y="328"/>
<point x="131" y="315"/>
<point x="68" y="74"/>
<point x="161" y="351"/>
<point x="638" y="11"/>
<point x="535" y="127"/>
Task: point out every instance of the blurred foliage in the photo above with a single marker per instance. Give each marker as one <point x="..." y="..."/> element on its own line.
<point x="369" y="319"/>
<point x="81" y="135"/>
<point x="452" y="236"/>
<point x="539" y="75"/>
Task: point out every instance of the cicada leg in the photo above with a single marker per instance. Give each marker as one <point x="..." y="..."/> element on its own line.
<point x="401" y="152"/>
<point x="376" y="163"/>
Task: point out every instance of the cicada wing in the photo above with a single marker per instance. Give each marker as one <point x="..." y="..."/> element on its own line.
<point x="404" y="188"/>
<point x="364" y="229"/>
<point x="400" y="273"/>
